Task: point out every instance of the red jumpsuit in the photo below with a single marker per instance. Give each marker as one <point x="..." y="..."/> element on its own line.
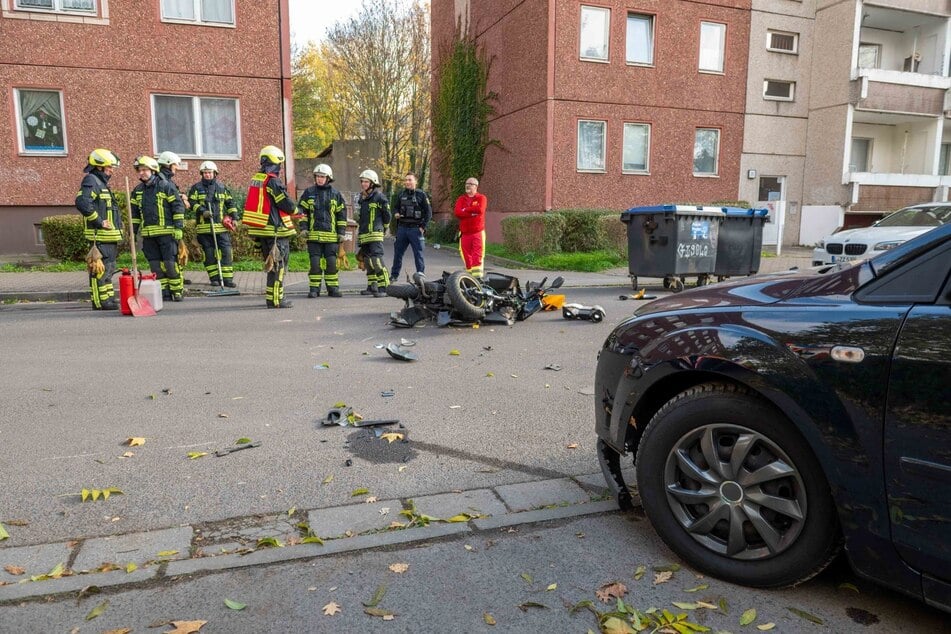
<point x="470" y="210"/>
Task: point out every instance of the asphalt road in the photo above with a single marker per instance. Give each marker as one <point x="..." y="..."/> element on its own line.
<point x="76" y="384"/>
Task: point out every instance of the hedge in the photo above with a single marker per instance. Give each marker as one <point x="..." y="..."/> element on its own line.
<point x="583" y="230"/>
<point x="539" y="234"/>
<point x="615" y="233"/>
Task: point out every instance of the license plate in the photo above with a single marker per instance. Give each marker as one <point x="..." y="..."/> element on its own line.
<point x="844" y="258"/>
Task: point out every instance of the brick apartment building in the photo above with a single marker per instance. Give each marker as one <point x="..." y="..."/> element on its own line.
<point x="207" y="79"/>
<point x="608" y="103"/>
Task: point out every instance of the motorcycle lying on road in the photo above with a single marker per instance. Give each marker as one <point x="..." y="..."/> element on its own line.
<point x="459" y="299"/>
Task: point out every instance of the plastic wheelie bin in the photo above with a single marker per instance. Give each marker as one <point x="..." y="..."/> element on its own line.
<point x="672" y="241"/>
<point x="740" y="243"/>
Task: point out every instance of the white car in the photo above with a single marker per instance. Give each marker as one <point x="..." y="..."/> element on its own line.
<point x="887" y="233"/>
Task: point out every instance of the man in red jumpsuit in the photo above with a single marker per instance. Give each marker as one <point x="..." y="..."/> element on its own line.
<point x="470" y="210"/>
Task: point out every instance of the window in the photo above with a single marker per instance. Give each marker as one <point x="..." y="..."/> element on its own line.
<point x="640" y="39"/>
<point x="82" y="6"/>
<point x="196" y="126"/>
<point x="712" y="41"/>
<point x="595" y="23"/>
<point x="706" y="152"/>
<point x="944" y="160"/>
<point x="39" y="116"/>
<point x="591" y="145"/>
<point x="636" y="153"/>
<point x="207" y="11"/>
<point x="870" y="55"/>
<point x="861" y="153"/>
<point x="778" y="90"/>
<point x="782" y="42"/>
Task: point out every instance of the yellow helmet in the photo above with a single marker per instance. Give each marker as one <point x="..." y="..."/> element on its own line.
<point x="146" y="161"/>
<point x="272" y="154"/>
<point x="102" y="157"/>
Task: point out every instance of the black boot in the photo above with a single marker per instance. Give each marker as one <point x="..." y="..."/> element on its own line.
<point x="167" y="296"/>
<point x="230" y="283"/>
<point x="110" y="304"/>
<point x="370" y="290"/>
<point x="334" y="291"/>
<point x="314" y="292"/>
<point x="286" y="303"/>
<point x="380" y="292"/>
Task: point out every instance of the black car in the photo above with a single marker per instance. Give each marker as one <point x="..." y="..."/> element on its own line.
<point x="776" y="418"/>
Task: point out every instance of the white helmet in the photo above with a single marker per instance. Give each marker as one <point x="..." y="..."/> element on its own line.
<point x="169" y="158"/>
<point x="208" y="165"/>
<point x="371" y="176"/>
<point x="323" y="169"/>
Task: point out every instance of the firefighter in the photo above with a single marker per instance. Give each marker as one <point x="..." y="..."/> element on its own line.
<point x="268" y="215"/>
<point x="470" y="210"/>
<point x="324" y="225"/>
<point x="374" y="217"/>
<point x="159" y="215"/>
<point x="102" y="223"/>
<point x="412" y="216"/>
<point x="169" y="164"/>
<point x="214" y="210"/>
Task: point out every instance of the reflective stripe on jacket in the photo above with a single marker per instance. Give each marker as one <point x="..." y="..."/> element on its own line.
<point x="216" y="197"/>
<point x="157" y="209"/>
<point x="374" y="217"/>
<point x="96" y="203"/>
<point x="325" y="214"/>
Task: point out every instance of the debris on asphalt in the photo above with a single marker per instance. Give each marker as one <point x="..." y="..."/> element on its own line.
<point x="407" y="343"/>
<point x="348" y="463"/>
<point x="344" y="416"/>
<point x="388" y="393"/>
<point x="553" y="366"/>
<point x="399" y="353"/>
<point x="244" y="445"/>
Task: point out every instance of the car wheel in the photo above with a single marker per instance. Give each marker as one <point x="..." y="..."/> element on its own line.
<point x="465" y="295"/>
<point x="732" y="488"/>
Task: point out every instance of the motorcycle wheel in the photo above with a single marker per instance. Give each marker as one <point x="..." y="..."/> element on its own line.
<point x="402" y="291"/>
<point x="465" y="295"/>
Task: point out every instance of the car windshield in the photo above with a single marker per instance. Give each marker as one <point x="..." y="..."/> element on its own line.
<point x="918" y="217"/>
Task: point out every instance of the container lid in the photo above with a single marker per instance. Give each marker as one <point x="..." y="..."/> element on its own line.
<point x="740" y="211"/>
<point x="690" y="210"/>
<point x="147" y="276"/>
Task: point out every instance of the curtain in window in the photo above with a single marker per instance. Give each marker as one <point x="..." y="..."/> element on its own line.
<point x="41" y="120"/>
<point x="711" y="46"/>
<point x="635" y="147"/>
<point x="590" y="145"/>
<point x="640" y="45"/>
<point x="705" y="151"/>
<point x="219" y="127"/>
<point x="217" y="11"/>
<point x="79" y="5"/>
<point x="178" y="9"/>
<point x="594" y="28"/>
<point x="42" y="4"/>
<point x="174" y="125"/>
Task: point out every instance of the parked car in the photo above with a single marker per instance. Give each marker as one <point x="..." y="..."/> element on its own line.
<point x="773" y="419"/>
<point x="887" y="233"/>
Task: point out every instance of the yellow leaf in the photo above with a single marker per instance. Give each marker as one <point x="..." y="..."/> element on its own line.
<point x="399" y="568"/>
<point x="614" y="625"/>
<point x="95" y="494"/>
<point x="359" y="492"/>
<point x="328" y="479"/>
<point x="453" y="353"/>
<point x="135" y="441"/>
<point x="167" y="553"/>
<point x="402" y="468"/>
<point x="490" y="374"/>
<point x="748" y="616"/>
<point x="85" y="494"/>
<point x="765" y="627"/>
<point x="462" y="517"/>
<point x="551" y="586"/>
<point x="96" y="611"/>
<point x="488" y="618"/>
<point x="185" y="627"/>
<point x="131" y="567"/>
<point x="3" y="533"/>
<point x="195" y="455"/>
<point x="391" y="436"/>
<point x="331" y="608"/>
<point x="395" y="524"/>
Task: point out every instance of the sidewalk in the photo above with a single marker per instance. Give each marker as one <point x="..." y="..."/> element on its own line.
<point x="74" y="286"/>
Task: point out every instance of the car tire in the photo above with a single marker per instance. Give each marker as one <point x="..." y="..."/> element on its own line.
<point x="465" y="296"/>
<point x="402" y="291"/>
<point x="748" y="529"/>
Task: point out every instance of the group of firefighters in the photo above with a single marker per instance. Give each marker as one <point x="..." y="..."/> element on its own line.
<point x="272" y="218"/>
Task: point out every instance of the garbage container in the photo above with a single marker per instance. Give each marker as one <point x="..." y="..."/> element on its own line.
<point x="672" y="241"/>
<point x="740" y="243"/>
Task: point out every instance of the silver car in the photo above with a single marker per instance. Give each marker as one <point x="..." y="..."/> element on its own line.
<point x="887" y="233"/>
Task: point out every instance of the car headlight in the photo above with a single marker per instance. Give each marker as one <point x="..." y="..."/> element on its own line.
<point x="885" y="246"/>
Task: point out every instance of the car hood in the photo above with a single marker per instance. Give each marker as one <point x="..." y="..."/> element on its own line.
<point x="873" y="235"/>
<point x="805" y="286"/>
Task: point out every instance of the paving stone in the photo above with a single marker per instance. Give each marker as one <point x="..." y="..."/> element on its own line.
<point x="37" y="560"/>
<point x="533" y="495"/>
<point x="446" y="505"/>
<point x="74" y="584"/>
<point x="138" y="548"/>
<point x="594" y="482"/>
<point x="545" y="515"/>
<point x="356" y="518"/>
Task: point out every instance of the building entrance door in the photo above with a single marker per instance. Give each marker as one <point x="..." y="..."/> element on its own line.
<point x="772" y="196"/>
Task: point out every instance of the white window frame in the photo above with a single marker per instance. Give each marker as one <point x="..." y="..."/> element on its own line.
<point x="196" y="118"/>
<point x="647" y="148"/>
<point x="792" y="90"/>
<point x="604" y="147"/>
<point x="720" y="70"/>
<point x="607" y="34"/>
<point x="57" y="7"/>
<point x="650" y="19"/>
<point x="944" y="154"/>
<point x="716" y="157"/>
<point x="198" y="17"/>
<point x="869" y="143"/>
<point x="769" y="42"/>
<point x="21" y="148"/>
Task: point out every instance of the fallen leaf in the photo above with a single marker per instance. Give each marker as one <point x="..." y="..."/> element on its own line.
<point x="195" y="455"/>
<point x="331" y="608"/>
<point x="370" y="500"/>
<point x="684" y="606"/>
<point x="455" y="407"/>
<point x="184" y="627"/>
<point x="234" y="605"/>
<point x="395" y="524"/>
<point x="453" y="353"/>
<point x="514" y="376"/>
<point x="167" y="553"/>
<point x="805" y="615"/>
<point x="14" y="570"/>
<point x="841" y="586"/>
<point x="640" y="572"/>
<point x="704" y="604"/>
<point x="376" y="598"/>
<point x="551" y="587"/>
<point x="386" y="615"/>
<point x="131" y="567"/>
<point x="614" y="625"/>
<point x="488" y="618"/>
<point x="609" y="591"/>
<point x="531" y="604"/>
<point x="391" y="436"/>
<point x="328" y="479"/>
<point x="765" y="627"/>
<point x="242" y="441"/>
<point x="662" y="577"/>
<point x="222" y="415"/>
<point x="18" y="523"/>
<point x="748" y="617"/>
<point x="666" y="568"/>
<point x="359" y="492"/>
<point x="385" y="510"/>
<point x="122" y="630"/>
<point x="96" y="611"/>
<point x="490" y="375"/>
<point x="573" y="445"/>
<point x="702" y="586"/>
<point x="399" y="568"/>
<point x="468" y="547"/>
<point x="128" y="454"/>
<point x="527" y="577"/>
<point x="402" y="468"/>
<point x="269" y="542"/>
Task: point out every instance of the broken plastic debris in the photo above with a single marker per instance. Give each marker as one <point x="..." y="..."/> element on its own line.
<point x="553" y="366"/>
<point x="400" y="353"/>
<point x="388" y="393"/>
<point x="407" y="343"/>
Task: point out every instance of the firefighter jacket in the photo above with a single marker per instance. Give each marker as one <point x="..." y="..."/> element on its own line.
<point x="325" y="214"/>
<point x="374" y="217"/>
<point x="278" y="205"/>
<point x="214" y="196"/>
<point x="157" y="209"/>
<point x="414" y="208"/>
<point x="96" y="203"/>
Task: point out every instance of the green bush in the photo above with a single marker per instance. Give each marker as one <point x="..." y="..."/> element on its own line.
<point x="615" y="233"/>
<point x="539" y="234"/>
<point x="443" y="230"/>
<point x="583" y="230"/>
<point x="63" y="236"/>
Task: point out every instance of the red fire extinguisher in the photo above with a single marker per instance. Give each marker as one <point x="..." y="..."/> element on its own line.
<point x="126" y="290"/>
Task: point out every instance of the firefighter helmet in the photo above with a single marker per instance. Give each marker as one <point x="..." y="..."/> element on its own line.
<point x="208" y="166"/>
<point x="146" y="161"/>
<point x="272" y="154"/>
<point x="323" y="169"/>
<point x="102" y="157"/>
<point x="370" y="175"/>
<point x="169" y="158"/>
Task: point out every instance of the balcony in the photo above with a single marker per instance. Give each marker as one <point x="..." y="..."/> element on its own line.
<point x="899" y="150"/>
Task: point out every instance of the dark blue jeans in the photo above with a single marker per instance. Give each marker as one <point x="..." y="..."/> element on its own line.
<point x="407" y="236"/>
